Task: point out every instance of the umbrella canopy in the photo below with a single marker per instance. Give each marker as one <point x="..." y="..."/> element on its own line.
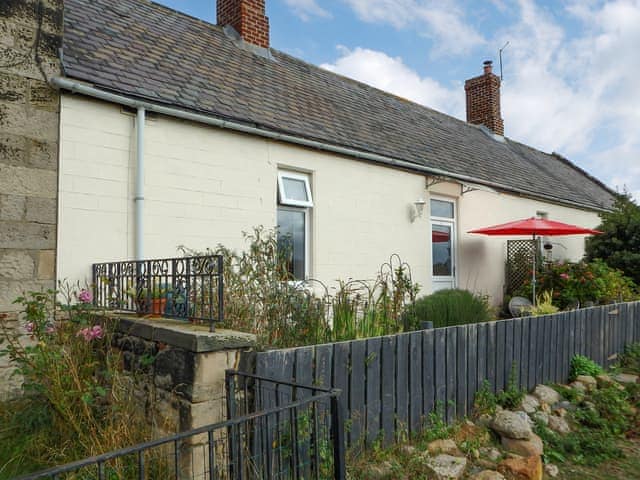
<point x="536" y="227"/>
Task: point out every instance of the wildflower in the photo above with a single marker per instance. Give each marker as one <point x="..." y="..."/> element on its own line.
<point x="90" y="333"/>
<point x="564" y="276"/>
<point x="85" y="296"/>
<point x="30" y="327"/>
<point x="51" y="329"/>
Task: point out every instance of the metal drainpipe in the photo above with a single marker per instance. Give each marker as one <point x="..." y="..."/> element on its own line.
<point x="139" y="194"/>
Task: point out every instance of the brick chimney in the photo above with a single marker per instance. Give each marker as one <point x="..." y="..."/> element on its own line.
<point x="247" y="17"/>
<point x="483" y="100"/>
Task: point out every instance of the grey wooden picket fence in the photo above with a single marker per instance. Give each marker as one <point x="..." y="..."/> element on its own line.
<point x="390" y="384"/>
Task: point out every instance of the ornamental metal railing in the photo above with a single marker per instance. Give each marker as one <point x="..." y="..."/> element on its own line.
<point x="188" y="288"/>
<point x="300" y="437"/>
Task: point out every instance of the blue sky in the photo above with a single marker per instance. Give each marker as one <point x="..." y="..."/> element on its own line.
<point x="571" y="68"/>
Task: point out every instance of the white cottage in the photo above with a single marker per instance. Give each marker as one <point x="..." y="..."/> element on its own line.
<point x="175" y="131"/>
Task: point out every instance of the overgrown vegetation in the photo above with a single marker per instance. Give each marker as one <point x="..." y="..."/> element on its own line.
<point x="485" y="401"/>
<point x="77" y="402"/>
<point x="581" y="365"/>
<point x="448" y="307"/>
<point x="544" y="305"/>
<point x="579" y="284"/>
<point x="260" y="297"/>
<point x="619" y="245"/>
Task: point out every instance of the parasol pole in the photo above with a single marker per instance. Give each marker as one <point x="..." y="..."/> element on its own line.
<point x="535" y="264"/>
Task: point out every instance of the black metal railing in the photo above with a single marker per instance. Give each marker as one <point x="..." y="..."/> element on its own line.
<point x="302" y="438"/>
<point x="186" y="288"/>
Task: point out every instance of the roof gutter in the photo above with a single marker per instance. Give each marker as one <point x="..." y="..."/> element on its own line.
<point x="84" y="89"/>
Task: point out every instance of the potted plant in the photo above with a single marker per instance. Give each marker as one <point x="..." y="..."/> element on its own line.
<point x="150" y="301"/>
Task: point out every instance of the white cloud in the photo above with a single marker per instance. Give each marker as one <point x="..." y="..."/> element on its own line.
<point x="392" y="75"/>
<point x="305" y="9"/>
<point x="441" y="20"/>
<point x="578" y="94"/>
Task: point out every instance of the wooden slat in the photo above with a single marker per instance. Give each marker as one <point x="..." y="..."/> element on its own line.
<point x="428" y="372"/>
<point x="524" y="353"/>
<point x="415" y="382"/>
<point x="509" y="364"/>
<point x="451" y="373"/>
<point x="533" y="336"/>
<point x="461" y="364"/>
<point x="440" y="367"/>
<point x="517" y="348"/>
<point x="341" y="377"/>
<point x="540" y="351"/>
<point x="373" y="389"/>
<point x="501" y="376"/>
<point x="388" y="389"/>
<point x="482" y="354"/>
<point x="491" y="355"/>
<point x="402" y="385"/>
<point x="547" y="351"/>
<point x="357" y="392"/>
<point x="472" y="364"/>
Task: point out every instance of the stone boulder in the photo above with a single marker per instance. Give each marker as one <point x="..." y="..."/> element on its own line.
<point x="526" y="448"/>
<point x="446" y="466"/>
<point x="488" y="475"/>
<point x="519" y="468"/>
<point x="580" y="387"/>
<point x="559" y="424"/>
<point x="546" y="394"/>
<point x="626" y="378"/>
<point x="447" y="446"/>
<point x="604" y="380"/>
<point x="512" y="425"/>
<point x="541" y="417"/>
<point x="529" y="404"/>
<point x="551" y="470"/>
<point x="490" y="453"/>
<point x="588" y="381"/>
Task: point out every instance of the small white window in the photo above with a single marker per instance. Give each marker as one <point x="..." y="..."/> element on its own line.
<point x="294" y="189"/>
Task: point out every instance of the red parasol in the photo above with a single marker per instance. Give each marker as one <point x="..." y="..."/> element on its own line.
<point x="536" y="227"/>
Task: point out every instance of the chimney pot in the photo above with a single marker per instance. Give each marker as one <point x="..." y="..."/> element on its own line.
<point x="483" y="100"/>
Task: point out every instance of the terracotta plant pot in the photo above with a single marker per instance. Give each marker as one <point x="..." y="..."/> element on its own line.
<point x="158" y="306"/>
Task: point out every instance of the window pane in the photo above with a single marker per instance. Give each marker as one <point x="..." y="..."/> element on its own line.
<point x="441" y="250"/>
<point x="291" y="239"/>
<point x="295" y="189"/>
<point x="440" y="208"/>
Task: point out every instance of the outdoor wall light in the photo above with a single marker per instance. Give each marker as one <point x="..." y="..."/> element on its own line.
<point x="418" y="209"/>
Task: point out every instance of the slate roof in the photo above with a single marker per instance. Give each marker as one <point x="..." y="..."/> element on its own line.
<point x="145" y="50"/>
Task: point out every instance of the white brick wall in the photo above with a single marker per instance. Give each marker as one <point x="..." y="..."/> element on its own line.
<point x="204" y="186"/>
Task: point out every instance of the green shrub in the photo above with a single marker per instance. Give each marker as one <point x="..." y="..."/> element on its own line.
<point x="446" y="308"/>
<point x="581" y="365"/>
<point x="544" y="305"/>
<point x="577" y="284"/>
<point x="512" y="396"/>
<point x="484" y="402"/>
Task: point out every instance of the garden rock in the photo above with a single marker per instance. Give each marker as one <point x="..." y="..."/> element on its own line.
<point x="626" y="378"/>
<point x="525" y="417"/>
<point x="551" y="470"/>
<point x="379" y="471"/>
<point x="447" y="466"/>
<point x="490" y="453"/>
<point x="510" y="424"/>
<point x="529" y="404"/>
<point x="520" y="468"/>
<point x="546" y="394"/>
<point x="568" y="406"/>
<point x="559" y="424"/>
<point x="541" y="417"/>
<point x="588" y="381"/>
<point x="408" y="450"/>
<point x="447" y="446"/>
<point x="488" y="475"/>
<point x="526" y="448"/>
<point x="579" y="386"/>
<point x="604" y="380"/>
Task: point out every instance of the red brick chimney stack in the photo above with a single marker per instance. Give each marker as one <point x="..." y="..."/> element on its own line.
<point x="247" y="17"/>
<point x="483" y="100"/>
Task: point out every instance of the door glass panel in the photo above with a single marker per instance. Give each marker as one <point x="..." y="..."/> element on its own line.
<point x="442" y="209"/>
<point x="441" y="245"/>
<point x="291" y="241"/>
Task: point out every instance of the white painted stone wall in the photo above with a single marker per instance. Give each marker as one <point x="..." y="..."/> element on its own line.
<point x="205" y="186"/>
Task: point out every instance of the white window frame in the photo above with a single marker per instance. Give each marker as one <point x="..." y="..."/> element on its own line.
<point x="453" y="223"/>
<point x="284" y="200"/>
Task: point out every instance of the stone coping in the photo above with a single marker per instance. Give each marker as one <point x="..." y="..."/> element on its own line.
<point x="195" y="338"/>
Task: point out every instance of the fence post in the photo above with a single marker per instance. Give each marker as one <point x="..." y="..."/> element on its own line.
<point x="337" y="424"/>
<point x="230" y="386"/>
<point x="220" y="294"/>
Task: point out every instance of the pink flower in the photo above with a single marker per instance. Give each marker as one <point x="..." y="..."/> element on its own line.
<point x="51" y="330"/>
<point x="89" y="333"/>
<point x="564" y="276"/>
<point x="85" y="296"/>
<point x="29" y="327"/>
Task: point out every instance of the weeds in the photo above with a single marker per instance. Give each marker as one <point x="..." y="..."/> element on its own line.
<point x="581" y="365"/>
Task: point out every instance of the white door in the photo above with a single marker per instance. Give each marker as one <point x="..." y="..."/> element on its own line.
<point x="443" y="244"/>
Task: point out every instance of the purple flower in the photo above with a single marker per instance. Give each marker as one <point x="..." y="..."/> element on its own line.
<point x="85" y="296"/>
<point x="89" y="333"/>
<point x="29" y="327"/>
